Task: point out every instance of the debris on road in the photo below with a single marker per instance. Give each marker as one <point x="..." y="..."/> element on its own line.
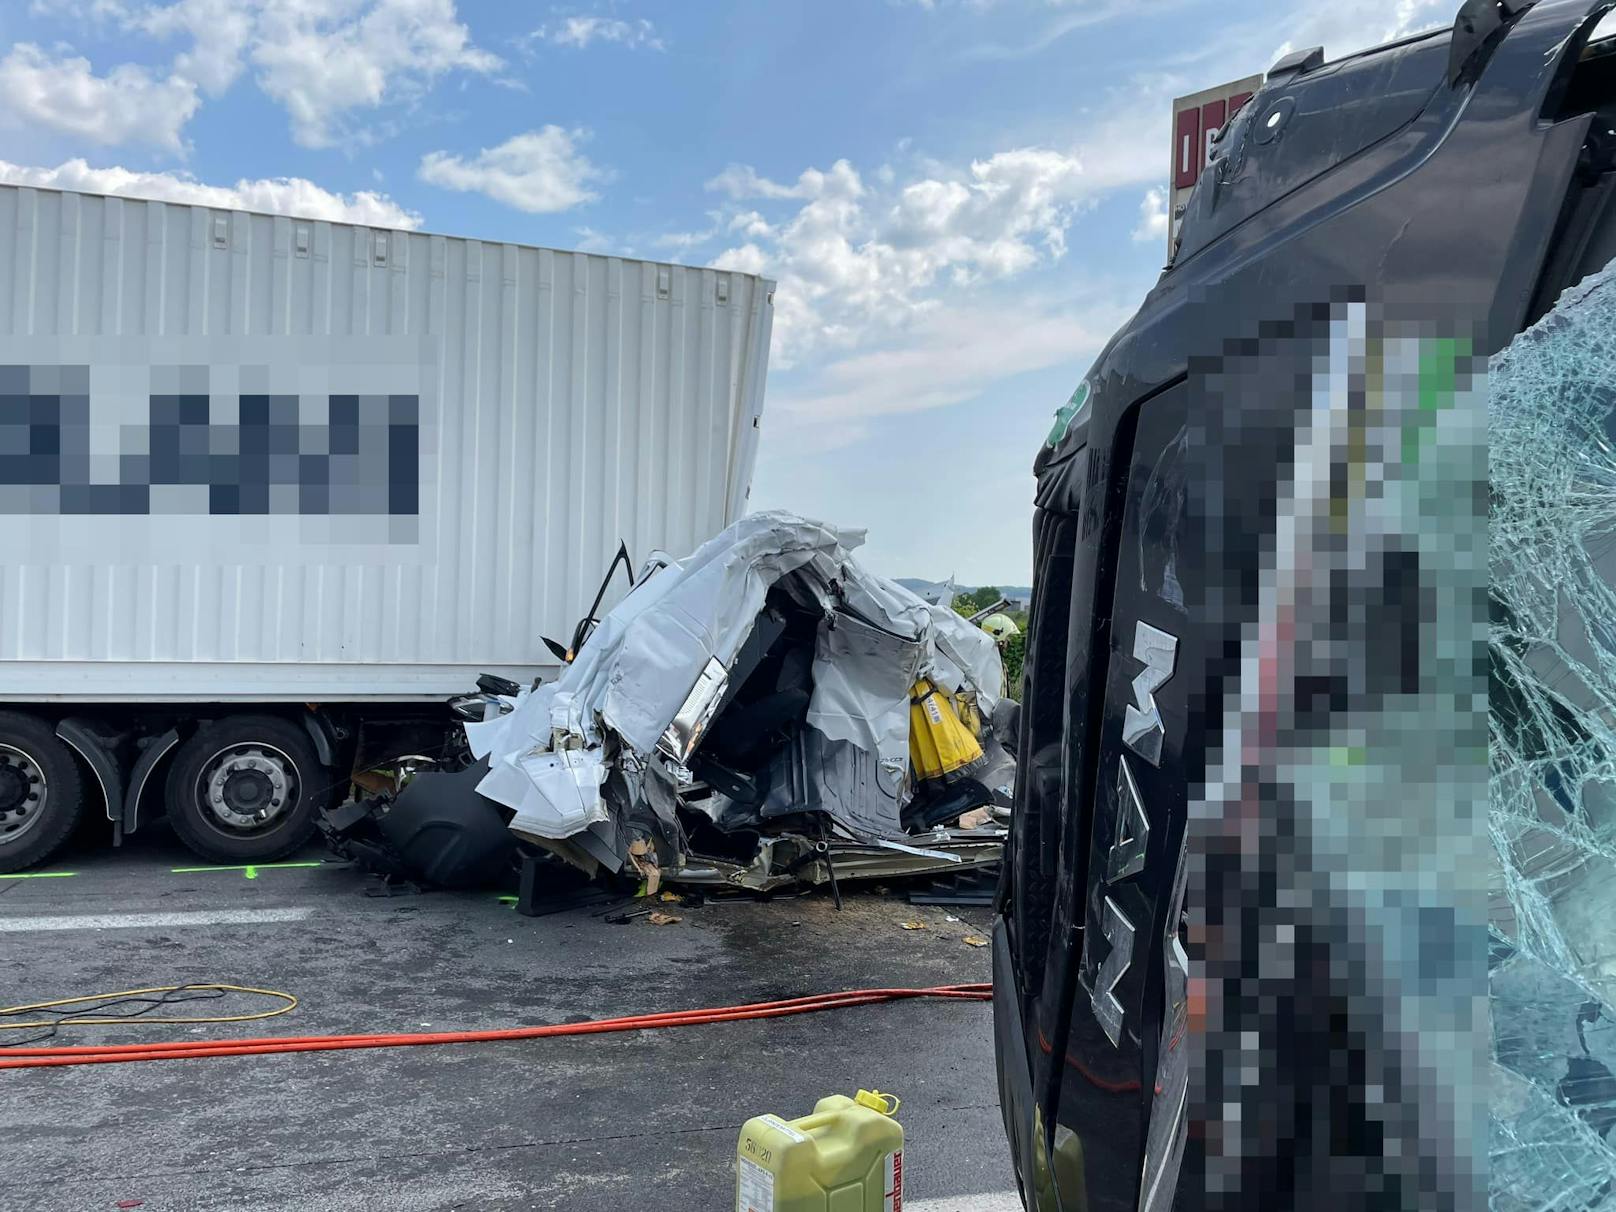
<point x="436" y="832"/>
<point x="976" y="818"/>
<point x="966" y="888"/>
<point x="762" y="713"/>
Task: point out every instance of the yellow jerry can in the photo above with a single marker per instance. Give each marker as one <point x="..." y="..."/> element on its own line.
<point x="845" y="1157"/>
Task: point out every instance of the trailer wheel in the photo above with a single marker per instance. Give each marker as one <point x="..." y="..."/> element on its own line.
<point x="41" y="792"/>
<point x="246" y="788"/>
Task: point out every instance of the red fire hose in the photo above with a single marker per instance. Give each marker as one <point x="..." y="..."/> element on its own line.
<point x="32" y="1058"/>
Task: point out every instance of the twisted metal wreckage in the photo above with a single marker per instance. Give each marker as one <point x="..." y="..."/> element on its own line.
<point x="762" y="712"/>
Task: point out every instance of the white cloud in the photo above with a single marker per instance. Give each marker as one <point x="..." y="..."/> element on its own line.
<point x="1353" y="25"/>
<point x="540" y="172"/>
<point x="932" y="6"/>
<point x="949" y="355"/>
<point x="325" y="59"/>
<point x="742" y="181"/>
<point x="219" y="31"/>
<point x="587" y="239"/>
<point x="858" y="259"/>
<point x="1127" y="143"/>
<point x="914" y="285"/>
<point x="277" y="195"/>
<point x="1342" y="27"/>
<point x="127" y="105"/>
<point x="1065" y="17"/>
<point x="1152" y="224"/>
<point x="580" y="31"/>
<point x="683" y="241"/>
<point x="80" y="10"/>
<point x="746" y="259"/>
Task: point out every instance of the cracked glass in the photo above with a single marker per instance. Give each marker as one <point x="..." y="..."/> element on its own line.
<point x="1552" y="775"/>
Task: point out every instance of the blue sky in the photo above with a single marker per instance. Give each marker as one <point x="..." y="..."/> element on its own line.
<point x="957" y="197"/>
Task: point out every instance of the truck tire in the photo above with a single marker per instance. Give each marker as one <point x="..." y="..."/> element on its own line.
<point x="246" y="789"/>
<point x="41" y="792"/>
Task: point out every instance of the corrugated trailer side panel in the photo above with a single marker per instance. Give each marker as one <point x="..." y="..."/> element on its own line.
<point x="558" y="402"/>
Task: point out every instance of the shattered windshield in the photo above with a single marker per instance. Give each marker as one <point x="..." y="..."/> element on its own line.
<point x="1552" y="802"/>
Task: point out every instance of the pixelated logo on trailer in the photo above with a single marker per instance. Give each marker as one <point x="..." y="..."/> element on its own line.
<point x="201" y="452"/>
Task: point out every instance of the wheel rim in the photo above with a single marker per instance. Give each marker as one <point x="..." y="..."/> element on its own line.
<point x="24" y="792"/>
<point x="247" y="789"/>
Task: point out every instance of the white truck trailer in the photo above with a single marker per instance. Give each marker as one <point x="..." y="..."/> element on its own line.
<point x="273" y="489"/>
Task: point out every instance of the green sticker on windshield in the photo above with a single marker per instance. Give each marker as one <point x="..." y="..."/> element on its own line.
<point x="1068" y="413"/>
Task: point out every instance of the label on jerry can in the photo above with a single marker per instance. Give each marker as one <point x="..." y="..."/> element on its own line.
<point x="780" y="1125"/>
<point x="892" y="1184"/>
<point x="755" y="1192"/>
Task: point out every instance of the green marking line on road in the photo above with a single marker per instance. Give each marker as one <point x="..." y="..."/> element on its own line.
<point x="251" y="869"/>
<point x="39" y="875"/>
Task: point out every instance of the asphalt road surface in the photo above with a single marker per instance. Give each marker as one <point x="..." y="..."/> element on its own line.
<point x="644" y="1120"/>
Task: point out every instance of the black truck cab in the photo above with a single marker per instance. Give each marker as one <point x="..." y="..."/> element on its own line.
<point x="1442" y="190"/>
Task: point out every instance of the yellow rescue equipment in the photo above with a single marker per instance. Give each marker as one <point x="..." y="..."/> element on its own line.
<point x="939" y="741"/>
<point x="845" y="1157"/>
